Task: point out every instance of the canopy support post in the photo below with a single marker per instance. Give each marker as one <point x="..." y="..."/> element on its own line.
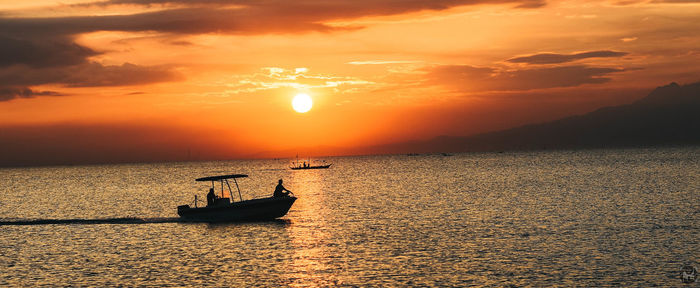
<point x="222" y="188"/>
<point x="239" y="189"/>
<point x="230" y="193"/>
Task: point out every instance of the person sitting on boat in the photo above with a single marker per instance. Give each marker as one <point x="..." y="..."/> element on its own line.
<point x="279" y="190"/>
<point x="211" y="197"/>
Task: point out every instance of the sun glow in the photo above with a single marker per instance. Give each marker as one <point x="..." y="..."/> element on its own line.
<point x="302" y="103"/>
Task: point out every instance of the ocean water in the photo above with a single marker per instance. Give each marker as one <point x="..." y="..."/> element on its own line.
<point x="626" y="217"/>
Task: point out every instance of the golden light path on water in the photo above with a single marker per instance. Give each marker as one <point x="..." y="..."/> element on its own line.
<point x="309" y="232"/>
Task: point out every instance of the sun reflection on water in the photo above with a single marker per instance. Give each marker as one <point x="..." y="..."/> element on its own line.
<point x="309" y="232"/>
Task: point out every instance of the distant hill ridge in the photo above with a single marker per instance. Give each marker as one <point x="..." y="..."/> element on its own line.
<point x="669" y="115"/>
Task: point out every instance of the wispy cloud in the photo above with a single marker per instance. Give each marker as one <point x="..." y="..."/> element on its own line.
<point x="42" y="52"/>
<point x="8" y="93"/>
<point x="553" y="58"/>
<point x="85" y="75"/>
<point x="234" y="17"/>
<point x="381" y="62"/>
<point x="276" y="78"/>
<point x="470" y="78"/>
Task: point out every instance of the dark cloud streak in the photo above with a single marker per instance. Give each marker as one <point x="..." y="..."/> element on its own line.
<point x="15" y="80"/>
<point x="367" y="8"/>
<point x="552" y="58"/>
<point x="9" y="93"/>
<point x="57" y="51"/>
<point x="88" y="75"/>
<point x="94" y="75"/>
<point x="470" y="78"/>
<point x="247" y="17"/>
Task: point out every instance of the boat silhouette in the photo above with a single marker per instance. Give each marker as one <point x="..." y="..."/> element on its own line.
<point x="308" y="165"/>
<point x="222" y="209"/>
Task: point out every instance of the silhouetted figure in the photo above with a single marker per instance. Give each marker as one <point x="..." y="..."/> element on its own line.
<point x="211" y="197"/>
<point x="279" y="190"/>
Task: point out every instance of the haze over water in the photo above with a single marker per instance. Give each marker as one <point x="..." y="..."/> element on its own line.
<point x="565" y="218"/>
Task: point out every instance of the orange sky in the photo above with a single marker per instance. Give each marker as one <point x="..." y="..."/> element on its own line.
<point x="215" y="79"/>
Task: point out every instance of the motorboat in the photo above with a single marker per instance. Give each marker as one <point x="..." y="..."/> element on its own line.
<point x="223" y="209"/>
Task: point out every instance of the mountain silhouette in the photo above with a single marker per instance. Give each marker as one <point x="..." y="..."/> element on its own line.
<point x="669" y="115"/>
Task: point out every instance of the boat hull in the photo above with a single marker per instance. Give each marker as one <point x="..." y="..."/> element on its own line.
<point x="249" y="210"/>
<point x="311" y="167"/>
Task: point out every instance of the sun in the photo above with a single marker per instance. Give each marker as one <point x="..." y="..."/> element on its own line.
<point x="302" y="103"/>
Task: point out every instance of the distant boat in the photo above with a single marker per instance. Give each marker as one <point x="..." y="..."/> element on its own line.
<point x="221" y="209"/>
<point x="308" y="165"/>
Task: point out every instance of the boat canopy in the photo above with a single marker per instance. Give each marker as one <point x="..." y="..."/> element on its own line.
<point x="221" y="177"/>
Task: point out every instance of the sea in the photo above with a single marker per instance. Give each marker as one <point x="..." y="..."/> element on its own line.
<point x="585" y="218"/>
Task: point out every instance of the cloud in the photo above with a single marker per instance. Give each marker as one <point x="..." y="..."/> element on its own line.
<point x="276" y="78"/>
<point x="383" y="7"/>
<point x="676" y="1"/>
<point x="235" y="17"/>
<point x="470" y="78"/>
<point x="633" y="2"/>
<point x="9" y="93"/>
<point x="532" y="4"/>
<point x="88" y="75"/>
<point x="37" y="52"/>
<point x="94" y="74"/>
<point x="16" y="80"/>
<point x="552" y="58"/>
<point x="46" y="52"/>
<point x="154" y="2"/>
<point x="380" y="62"/>
<point x="46" y="43"/>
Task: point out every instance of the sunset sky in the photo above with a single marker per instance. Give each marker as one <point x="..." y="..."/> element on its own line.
<point x="214" y="79"/>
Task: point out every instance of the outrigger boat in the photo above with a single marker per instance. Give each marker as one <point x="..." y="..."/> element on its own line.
<point x="221" y="209"/>
<point x="307" y="165"/>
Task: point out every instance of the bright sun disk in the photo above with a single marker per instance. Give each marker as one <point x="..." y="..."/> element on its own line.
<point x="302" y="103"/>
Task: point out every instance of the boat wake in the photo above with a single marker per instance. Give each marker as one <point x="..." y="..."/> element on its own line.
<point x="122" y="220"/>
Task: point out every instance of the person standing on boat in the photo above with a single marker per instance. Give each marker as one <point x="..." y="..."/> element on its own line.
<point x="279" y="190"/>
<point x="210" y="197"/>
